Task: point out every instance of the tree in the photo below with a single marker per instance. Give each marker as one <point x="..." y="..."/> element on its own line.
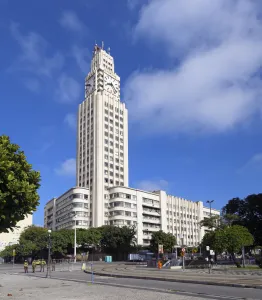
<point x="212" y="222"/>
<point x="161" y="238"/>
<point x="18" y="185"/>
<point x="35" y="240"/>
<point x="249" y="214"/>
<point x="232" y="239"/>
<point x="118" y="241"/>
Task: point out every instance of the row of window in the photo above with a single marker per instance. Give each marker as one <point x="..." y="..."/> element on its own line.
<point x="120" y="195"/>
<point x="112" y="174"/>
<point x="182" y="215"/>
<point x="116" y="123"/>
<point x="111" y="114"/>
<point x="110" y="106"/>
<point x="111" y="136"/>
<point x="106" y="164"/>
<point x="71" y="197"/>
<point x="112" y="130"/>
<point x="182" y="208"/>
<point x="111" y="181"/>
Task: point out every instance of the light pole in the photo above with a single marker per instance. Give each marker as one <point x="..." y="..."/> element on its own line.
<point x="75" y="242"/>
<point x="210" y="203"/>
<point x="48" y="272"/>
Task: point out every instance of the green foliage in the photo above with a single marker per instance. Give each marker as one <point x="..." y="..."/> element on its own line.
<point x="249" y="214"/>
<point x="212" y="222"/>
<point x="18" y="185"/>
<point x="161" y="238"/>
<point x="8" y="251"/>
<point x="117" y="239"/>
<point x="233" y="238"/>
<point x="33" y="241"/>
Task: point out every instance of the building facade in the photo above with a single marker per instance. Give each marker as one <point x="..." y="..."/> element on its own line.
<point x="12" y="237"/>
<point x="70" y="210"/>
<point x="124" y="206"/>
<point x="102" y="196"/>
<point x="102" y="137"/>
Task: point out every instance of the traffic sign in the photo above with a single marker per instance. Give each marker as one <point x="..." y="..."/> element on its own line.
<point x="13" y="252"/>
<point x="160" y="249"/>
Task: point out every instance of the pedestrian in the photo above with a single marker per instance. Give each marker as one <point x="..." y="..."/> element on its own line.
<point x="26" y="266"/>
<point x="42" y="264"/>
<point x="53" y="264"/>
<point x="33" y="266"/>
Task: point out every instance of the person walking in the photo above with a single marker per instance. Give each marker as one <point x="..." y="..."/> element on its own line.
<point x="53" y="264"/>
<point x="26" y="266"/>
<point x="43" y="263"/>
<point x="33" y="266"/>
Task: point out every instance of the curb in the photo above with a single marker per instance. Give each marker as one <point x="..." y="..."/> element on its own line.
<point x="177" y="280"/>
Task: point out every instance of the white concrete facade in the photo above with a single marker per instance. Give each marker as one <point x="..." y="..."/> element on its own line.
<point x="104" y="197"/>
<point x="12" y="237"/>
<point x="102" y="137"/>
<point x="73" y="208"/>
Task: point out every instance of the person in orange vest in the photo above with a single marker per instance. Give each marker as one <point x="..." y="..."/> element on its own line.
<point x="159" y="264"/>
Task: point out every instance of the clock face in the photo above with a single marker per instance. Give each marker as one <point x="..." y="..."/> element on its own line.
<point x="110" y="84"/>
<point x="90" y="85"/>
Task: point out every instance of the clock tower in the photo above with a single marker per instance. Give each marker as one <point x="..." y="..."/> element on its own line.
<point x="102" y="138"/>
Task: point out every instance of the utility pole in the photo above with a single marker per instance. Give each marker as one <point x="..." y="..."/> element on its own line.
<point x="48" y="271"/>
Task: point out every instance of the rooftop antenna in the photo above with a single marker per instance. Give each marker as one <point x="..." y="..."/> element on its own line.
<point x="108" y="50"/>
<point x="103" y="45"/>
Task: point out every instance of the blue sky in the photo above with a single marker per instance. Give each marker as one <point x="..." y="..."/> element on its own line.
<point x="190" y="76"/>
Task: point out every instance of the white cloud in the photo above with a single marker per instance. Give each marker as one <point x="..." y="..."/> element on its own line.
<point x="82" y="57"/>
<point x="152" y="185"/>
<point x="34" y="55"/>
<point x="253" y="164"/>
<point x="32" y="84"/>
<point x="67" y="168"/>
<point x="216" y="85"/>
<point x="70" y="120"/>
<point x="68" y="90"/>
<point x="70" y="21"/>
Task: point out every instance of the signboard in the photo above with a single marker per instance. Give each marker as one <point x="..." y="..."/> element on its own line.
<point x="183" y="250"/>
<point x="212" y="252"/>
<point x="13" y="252"/>
<point x="160" y="249"/>
<point x="207" y="248"/>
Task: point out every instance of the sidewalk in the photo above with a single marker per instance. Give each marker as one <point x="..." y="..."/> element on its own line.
<point x="27" y="288"/>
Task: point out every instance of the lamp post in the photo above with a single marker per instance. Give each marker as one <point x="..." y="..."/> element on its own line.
<point x="75" y="242"/>
<point x="210" y="203"/>
<point x="48" y="271"/>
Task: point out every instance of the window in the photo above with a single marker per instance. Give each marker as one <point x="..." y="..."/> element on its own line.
<point x="106" y="172"/>
<point x="111" y="181"/>
<point x="106" y="111"/>
<point x="106" y="180"/>
<point x="106" y="156"/>
<point x="117" y="131"/>
<point x="111" y="166"/>
<point x="117" y="124"/>
<point x="121" y="132"/>
<point x="121" y="147"/>
<point x="111" y="128"/>
<point x="121" y="119"/>
<point x="111" y="158"/>
<point x="121" y="169"/>
<point x="117" y="145"/>
<point x="106" y="126"/>
<point x="121" y="126"/>
<point x="106" y="141"/>
<point x="111" y="136"/>
<point x="111" y="174"/>
<point x="117" y="168"/>
<point x="117" y="160"/>
<point x="106" y="149"/>
<point x="106" y="164"/>
<point x="106" y="133"/>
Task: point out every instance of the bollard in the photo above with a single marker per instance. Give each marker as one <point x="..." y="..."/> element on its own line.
<point x="92" y="273"/>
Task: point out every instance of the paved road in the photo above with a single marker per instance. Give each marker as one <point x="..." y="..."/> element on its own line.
<point x="197" y="290"/>
<point x="190" y="276"/>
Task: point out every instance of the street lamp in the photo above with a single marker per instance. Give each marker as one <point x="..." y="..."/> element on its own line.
<point x="48" y="272"/>
<point x="75" y="242"/>
<point x="210" y="203"/>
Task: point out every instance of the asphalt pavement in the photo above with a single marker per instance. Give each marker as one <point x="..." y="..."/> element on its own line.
<point x="190" y="289"/>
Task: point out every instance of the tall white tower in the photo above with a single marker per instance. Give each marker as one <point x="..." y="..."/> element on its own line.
<point x="102" y="138"/>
